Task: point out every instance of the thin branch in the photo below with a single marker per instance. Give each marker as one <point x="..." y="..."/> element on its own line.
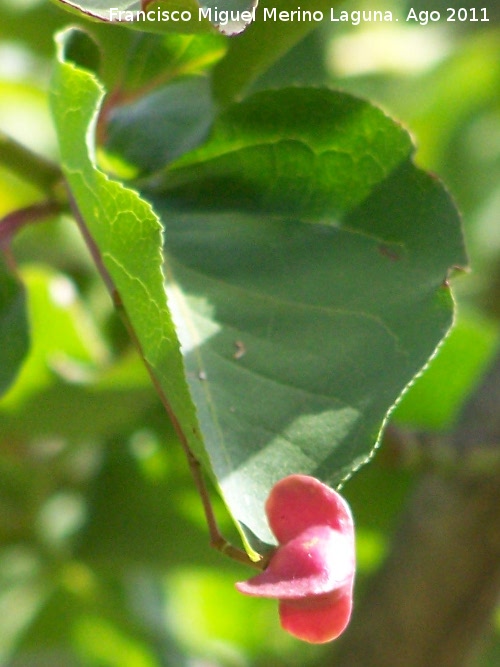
<point x="29" y="165"/>
<point x="217" y="540"/>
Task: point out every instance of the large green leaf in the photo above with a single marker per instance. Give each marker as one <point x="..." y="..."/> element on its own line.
<point x="13" y="326"/>
<point x="317" y="292"/>
<point x="304" y="309"/>
<point x="304" y="335"/>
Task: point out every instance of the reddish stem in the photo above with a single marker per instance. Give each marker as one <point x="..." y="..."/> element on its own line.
<point x="13" y="222"/>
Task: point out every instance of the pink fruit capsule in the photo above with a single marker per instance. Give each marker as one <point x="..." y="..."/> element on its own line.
<point x="311" y="572"/>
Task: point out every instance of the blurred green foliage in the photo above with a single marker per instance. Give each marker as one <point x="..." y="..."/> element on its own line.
<point x="104" y="558"/>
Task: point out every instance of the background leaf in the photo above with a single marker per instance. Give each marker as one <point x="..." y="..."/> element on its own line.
<point x="161" y="106"/>
<point x="263" y="43"/>
<point x="160" y="18"/>
<point x="156" y="59"/>
<point x="163" y="124"/>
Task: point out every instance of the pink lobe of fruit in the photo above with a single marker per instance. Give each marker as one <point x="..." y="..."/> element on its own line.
<point x="312" y="570"/>
<point x="319" y="619"/>
<point x="317" y="561"/>
<point x="299" y="501"/>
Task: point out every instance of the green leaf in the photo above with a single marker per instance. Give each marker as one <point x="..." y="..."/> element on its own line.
<point x="154" y="60"/>
<point x="65" y="342"/>
<point x="13" y="326"/>
<point x="229" y="17"/>
<point x="163" y="106"/>
<point x="265" y="41"/>
<point x="298" y="337"/>
<point x="306" y="332"/>
<point x="125" y="237"/>
<point x="67" y="365"/>
<point x="322" y="159"/>
<point x="161" y="126"/>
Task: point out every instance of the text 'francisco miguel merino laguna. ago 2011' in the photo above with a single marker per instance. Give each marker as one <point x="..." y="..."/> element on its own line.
<point x="354" y="17"/>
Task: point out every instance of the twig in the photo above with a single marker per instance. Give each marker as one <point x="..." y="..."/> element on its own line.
<point x="13" y="222"/>
<point x="29" y="165"/>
